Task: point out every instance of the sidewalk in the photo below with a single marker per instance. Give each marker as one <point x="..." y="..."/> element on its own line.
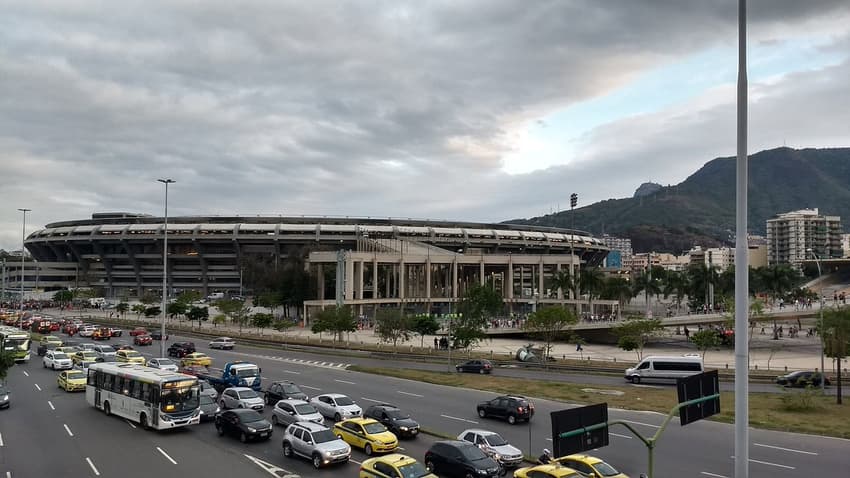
<point x="801" y="353"/>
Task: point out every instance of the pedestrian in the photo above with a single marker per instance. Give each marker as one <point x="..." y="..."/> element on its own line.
<point x="436" y="343"/>
<point x="687" y="333"/>
<point x="578" y="347"/>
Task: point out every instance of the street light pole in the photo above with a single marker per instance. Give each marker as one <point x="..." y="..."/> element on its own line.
<point x="164" y="268"/>
<point x="23" y="249"/>
<point x="820" y="329"/>
<point x="573" y="203"/>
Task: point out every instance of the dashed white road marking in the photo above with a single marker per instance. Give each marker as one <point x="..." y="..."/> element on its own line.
<point x="355" y="461"/>
<point x="344" y="381"/>
<point x="770" y="464"/>
<point x="411" y="394"/>
<point x="36" y="386"/>
<point x="712" y="474"/>
<point x="67" y="429"/>
<point x="165" y="455"/>
<point x="310" y="388"/>
<point x="8" y="474"/>
<point x="1" y="439"/>
<point x="273" y="470"/>
<point x="51" y="405"/>
<point x="785" y="449"/>
<point x="130" y="423"/>
<point x="291" y="371"/>
<point x="641" y="423"/>
<point x="459" y="419"/>
<point x="93" y="468"/>
<point x="371" y="400"/>
<point x="25" y="373"/>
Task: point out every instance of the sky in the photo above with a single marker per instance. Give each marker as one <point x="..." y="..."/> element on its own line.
<point x="480" y="110"/>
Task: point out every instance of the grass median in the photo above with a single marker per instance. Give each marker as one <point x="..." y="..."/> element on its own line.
<point x="794" y="411"/>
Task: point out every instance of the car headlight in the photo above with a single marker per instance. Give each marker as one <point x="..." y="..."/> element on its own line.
<point x="482" y="472"/>
<point x="252" y="430"/>
<point x="404" y="429"/>
<point x="5" y="397"/>
<point x="497" y="456"/>
<point x="217" y="409"/>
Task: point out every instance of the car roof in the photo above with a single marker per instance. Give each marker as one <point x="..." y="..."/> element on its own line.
<point x="361" y="421"/>
<point x="385" y="406"/>
<point x="478" y="431"/>
<point x="239" y="389"/>
<point x="312" y="426"/>
<point x="293" y="401"/>
<point x="333" y="395"/>
<point x="396" y="459"/>
<point x="585" y="458"/>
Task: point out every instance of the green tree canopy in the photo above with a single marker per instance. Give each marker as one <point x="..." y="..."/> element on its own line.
<point x="261" y="320"/>
<point x="549" y="323"/>
<point x="835" y="330"/>
<point x="177" y="308"/>
<point x="425" y="325"/>
<point x="198" y="313"/>
<point x="393" y="325"/>
<point x="705" y="339"/>
<point x="152" y="311"/>
<point x="63" y="296"/>
<point x="336" y="320"/>
<point x="7" y="360"/>
<point x="635" y="333"/>
<point x="478" y="304"/>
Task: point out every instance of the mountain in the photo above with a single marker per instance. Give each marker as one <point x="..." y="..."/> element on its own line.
<point x="701" y="209"/>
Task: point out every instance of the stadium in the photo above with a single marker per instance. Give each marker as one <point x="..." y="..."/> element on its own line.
<point x="363" y="262"/>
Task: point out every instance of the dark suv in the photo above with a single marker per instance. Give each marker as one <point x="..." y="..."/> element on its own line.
<point x="181" y="349"/>
<point x="460" y="458"/>
<point x="510" y="407"/>
<point x="394" y="419"/>
<point x="284" y="390"/>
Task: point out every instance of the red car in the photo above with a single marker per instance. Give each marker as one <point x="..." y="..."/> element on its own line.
<point x="142" y="340"/>
<point x="139" y="331"/>
<point x="54" y="326"/>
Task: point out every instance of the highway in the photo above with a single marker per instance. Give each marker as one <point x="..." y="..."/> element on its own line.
<point x="48" y="432"/>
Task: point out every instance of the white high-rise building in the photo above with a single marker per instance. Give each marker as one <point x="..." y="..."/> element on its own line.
<point x="799" y="235"/>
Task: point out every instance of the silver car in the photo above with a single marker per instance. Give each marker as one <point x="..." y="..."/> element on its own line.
<point x="105" y="353"/>
<point x="316" y="443"/>
<point x="336" y="406"/>
<point x="163" y="363"/>
<point x="494" y="446"/>
<point x="287" y="412"/>
<point x="240" y="397"/>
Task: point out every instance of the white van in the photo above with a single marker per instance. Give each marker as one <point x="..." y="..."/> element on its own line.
<point x="664" y="368"/>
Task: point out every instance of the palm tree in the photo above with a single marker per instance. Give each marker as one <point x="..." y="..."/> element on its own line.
<point x="701" y="278"/>
<point x="647" y="284"/>
<point x="676" y="285"/>
<point x="591" y="282"/>
<point x="563" y="281"/>
<point x="619" y="289"/>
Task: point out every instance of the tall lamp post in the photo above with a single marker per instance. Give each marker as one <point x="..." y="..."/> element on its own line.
<point x="820" y="327"/>
<point x="164" y="267"/>
<point x="573" y="203"/>
<point x="23" y="249"/>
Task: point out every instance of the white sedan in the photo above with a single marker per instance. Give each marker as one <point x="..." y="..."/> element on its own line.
<point x="57" y="360"/>
<point x="163" y="363"/>
<point x="224" y="343"/>
<point x="336" y="406"/>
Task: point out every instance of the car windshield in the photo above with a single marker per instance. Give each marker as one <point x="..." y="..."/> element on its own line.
<point x="324" y="436"/>
<point x="207" y="400"/>
<point x="343" y="401"/>
<point x="247" y="394"/>
<point x="397" y="414"/>
<point x="247" y="372"/>
<point x="3" y="390"/>
<point x="59" y="356"/>
<point x="164" y="361"/>
<point x="132" y="353"/>
<point x="472" y="453"/>
<point x="374" y="428"/>
<point x="76" y="375"/>
<point x="413" y="470"/>
<point x="106" y="349"/>
<point x="291" y="388"/>
<point x="605" y="469"/>
<point x="250" y="416"/>
<point x="496" y="440"/>
<point x="305" y="409"/>
<point x="180" y="399"/>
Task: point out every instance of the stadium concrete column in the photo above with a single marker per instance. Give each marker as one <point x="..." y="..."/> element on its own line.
<point x="540" y="277"/>
<point x="361" y="264"/>
<point x="375" y="293"/>
<point x="320" y="281"/>
<point x="428" y="279"/>
<point x="454" y="278"/>
<point x="481" y="270"/>
<point x="560" y="291"/>
<point x="349" y="277"/>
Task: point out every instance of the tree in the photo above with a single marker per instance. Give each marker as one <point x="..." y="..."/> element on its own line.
<point x="177" y="308"/>
<point x="149" y="298"/>
<point x="835" y="330"/>
<point x="619" y="289"/>
<point x="122" y="308"/>
<point x="676" y="284"/>
<point x="261" y="320"/>
<point x="705" y="339"/>
<point x="219" y="319"/>
<point x="648" y="283"/>
<point x="425" y="325"/>
<point x="478" y="304"/>
<point x="336" y="320"/>
<point x="283" y="324"/>
<point x="63" y="297"/>
<point x="563" y="281"/>
<point x="635" y="333"/>
<point x="549" y="323"/>
<point x="7" y="360"/>
<point x="139" y="309"/>
<point x="234" y="310"/>
<point x="392" y="325"/>
<point x="152" y="311"/>
<point x="198" y="313"/>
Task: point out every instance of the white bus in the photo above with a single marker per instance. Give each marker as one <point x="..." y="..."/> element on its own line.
<point x="153" y="398"/>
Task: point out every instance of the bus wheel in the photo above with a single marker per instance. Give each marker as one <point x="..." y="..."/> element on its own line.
<point x="143" y="421"/>
<point x="106" y="409"/>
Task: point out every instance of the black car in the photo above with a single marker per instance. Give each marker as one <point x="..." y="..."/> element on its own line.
<point x="245" y="423"/>
<point x="4" y="396"/>
<point x="284" y="390"/>
<point x="394" y="419"/>
<point x="209" y="408"/>
<point x="802" y="378"/>
<point x="181" y="349"/>
<point x="157" y="335"/>
<point x="512" y="408"/>
<point x="43" y="348"/>
<point x="475" y="366"/>
<point x="460" y="458"/>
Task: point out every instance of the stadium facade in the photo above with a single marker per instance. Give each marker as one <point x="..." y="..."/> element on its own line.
<point x="363" y="262"/>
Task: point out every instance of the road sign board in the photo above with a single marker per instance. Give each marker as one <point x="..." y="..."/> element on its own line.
<point x="701" y="395"/>
<point x="579" y="429"/>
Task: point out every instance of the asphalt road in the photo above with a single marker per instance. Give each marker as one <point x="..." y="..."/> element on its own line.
<point x="36" y="442"/>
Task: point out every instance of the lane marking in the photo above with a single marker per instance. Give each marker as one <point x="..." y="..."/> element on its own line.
<point x="371" y="400"/>
<point x="785" y="449"/>
<point x="1" y="439"/>
<point x="130" y="423"/>
<point x="621" y="436"/>
<point x="25" y="373"/>
<point x="770" y="464"/>
<point x="411" y="394"/>
<point x="355" y="461"/>
<point x="642" y="423"/>
<point x="272" y="469"/>
<point x="548" y="439"/>
<point x="39" y="388"/>
<point x="93" y="468"/>
<point x="712" y="474"/>
<point x="166" y="455"/>
<point x="291" y="371"/>
<point x="310" y="388"/>
<point x="344" y="381"/>
<point x="8" y="474"/>
<point x="459" y="419"/>
<point x="51" y="405"/>
<point x="67" y="429"/>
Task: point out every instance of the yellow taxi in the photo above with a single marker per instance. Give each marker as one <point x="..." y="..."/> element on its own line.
<point x="50" y="339"/>
<point x="590" y="465"/>
<point x="393" y="466"/>
<point x="366" y="433"/>
<point x="67" y="349"/>
<point x="547" y="471"/>
<point x="71" y="380"/>
<point x="81" y="356"/>
<point x="130" y="356"/>
<point x="196" y="358"/>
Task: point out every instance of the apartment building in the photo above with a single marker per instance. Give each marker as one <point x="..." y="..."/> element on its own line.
<point x="796" y="236"/>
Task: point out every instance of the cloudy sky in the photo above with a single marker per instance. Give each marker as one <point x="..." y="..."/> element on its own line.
<point x="479" y="110"/>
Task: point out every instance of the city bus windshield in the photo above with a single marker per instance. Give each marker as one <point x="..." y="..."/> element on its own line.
<point x="17" y="344"/>
<point x="180" y="399"/>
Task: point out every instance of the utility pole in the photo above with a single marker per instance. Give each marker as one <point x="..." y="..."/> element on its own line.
<point x="573" y="204"/>
<point x="23" y="254"/>
<point x="164" y="268"/>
